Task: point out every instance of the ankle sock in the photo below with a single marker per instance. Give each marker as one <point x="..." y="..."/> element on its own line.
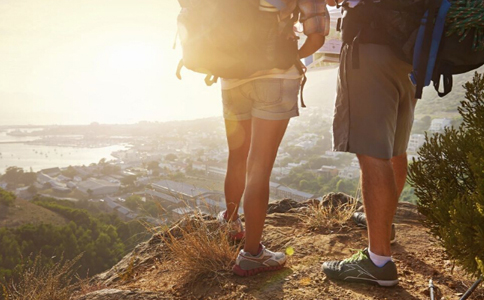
<point x="379" y="260"/>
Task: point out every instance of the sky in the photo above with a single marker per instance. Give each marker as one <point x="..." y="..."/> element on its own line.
<point x="108" y="61"/>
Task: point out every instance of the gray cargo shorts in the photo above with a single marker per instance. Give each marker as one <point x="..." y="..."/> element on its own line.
<point x="264" y="98"/>
<point x="375" y="103"/>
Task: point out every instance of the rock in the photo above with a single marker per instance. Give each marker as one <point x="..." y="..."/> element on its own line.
<point x="115" y="294"/>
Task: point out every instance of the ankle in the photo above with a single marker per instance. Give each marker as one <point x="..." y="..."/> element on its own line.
<point x="232" y="216"/>
<point x="254" y="251"/>
<point x="379" y="260"/>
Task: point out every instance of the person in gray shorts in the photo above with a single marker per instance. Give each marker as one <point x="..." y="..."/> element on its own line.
<point x="256" y="112"/>
<point x="373" y="117"/>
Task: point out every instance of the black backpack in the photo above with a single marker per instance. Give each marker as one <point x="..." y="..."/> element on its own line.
<point x="420" y="32"/>
<point x="233" y="39"/>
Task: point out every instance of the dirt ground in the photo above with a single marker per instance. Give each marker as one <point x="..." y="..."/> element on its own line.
<point x="416" y="254"/>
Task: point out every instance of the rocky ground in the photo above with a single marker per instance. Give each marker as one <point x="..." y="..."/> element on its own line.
<point x="150" y="273"/>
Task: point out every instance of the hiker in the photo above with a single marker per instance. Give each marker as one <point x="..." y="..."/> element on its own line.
<point x="257" y="110"/>
<point x="373" y="117"/>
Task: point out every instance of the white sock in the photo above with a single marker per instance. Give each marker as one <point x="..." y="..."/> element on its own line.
<point x="379" y="260"/>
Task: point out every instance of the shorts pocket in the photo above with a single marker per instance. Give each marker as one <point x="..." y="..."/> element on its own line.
<point x="268" y="90"/>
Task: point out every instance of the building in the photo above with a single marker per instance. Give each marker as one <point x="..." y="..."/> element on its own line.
<point x="285" y="192"/>
<point x="328" y="171"/>
<point x="53" y="172"/>
<point x="215" y="172"/>
<point x="97" y="187"/>
<point x="416" y="141"/>
<point x="332" y="155"/>
<point x="349" y="173"/>
<point x="180" y="193"/>
<point x="439" y="125"/>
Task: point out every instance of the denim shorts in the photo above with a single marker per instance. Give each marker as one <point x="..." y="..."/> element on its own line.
<point x="263" y="98"/>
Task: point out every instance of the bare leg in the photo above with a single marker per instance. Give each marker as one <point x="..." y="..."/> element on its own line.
<point x="238" y="140"/>
<point x="266" y="138"/>
<point x="380" y="198"/>
<point x="400" y="165"/>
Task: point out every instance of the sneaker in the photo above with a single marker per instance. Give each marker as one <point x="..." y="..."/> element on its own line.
<point x="360" y="268"/>
<point x="247" y="264"/>
<point x="360" y="219"/>
<point x="236" y="229"/>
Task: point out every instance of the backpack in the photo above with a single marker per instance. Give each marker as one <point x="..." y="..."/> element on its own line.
<point x="233" y="39"/>
<point x="425" y="33"/>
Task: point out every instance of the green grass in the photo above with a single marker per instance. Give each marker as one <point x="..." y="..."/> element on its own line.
<point x="25" y="212"/>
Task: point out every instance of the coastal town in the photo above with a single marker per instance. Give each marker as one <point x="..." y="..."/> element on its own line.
<point x="181" y="165"/>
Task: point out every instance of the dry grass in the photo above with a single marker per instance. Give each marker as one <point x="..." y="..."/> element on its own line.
<point x="40" y="282"/>
<point x="201" y="248"/>
<point x="331" y="212"/>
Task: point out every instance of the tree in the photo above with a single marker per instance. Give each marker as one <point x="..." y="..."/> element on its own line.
<point x="13" y="174"/>
<point x="69" y="172"/>
<point x="7" y="198"/>
<point x="449" y="181"/>
<point x="32" y="189"/>
<point x="133" y="202"/>
<point x="128" y="180"/>
<point x="154" y="167"/>
<point x="171" y="157"/>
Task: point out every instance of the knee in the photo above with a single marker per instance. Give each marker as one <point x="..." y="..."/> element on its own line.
<point x="400" y="159"/>
<point x="258" y="168"/>
<point x="369" y="161"/>
<point x="238" y="157"/>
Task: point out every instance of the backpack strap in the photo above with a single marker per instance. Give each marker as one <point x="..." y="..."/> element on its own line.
<point x="444" y="72"/>
<point x="427" y="45"/>
<point x="209" y="79"/>
<point x="179" y="68"/>
<point x="302" y="70"/>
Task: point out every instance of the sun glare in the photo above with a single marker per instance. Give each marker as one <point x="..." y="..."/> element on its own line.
<point x="132" y="56"/>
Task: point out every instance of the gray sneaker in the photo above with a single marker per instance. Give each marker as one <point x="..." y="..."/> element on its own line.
<point x="236" y="229"/>
<point x="360" y="219"/>
<point x="247" y="264"/>
<point x="360" y="268"/>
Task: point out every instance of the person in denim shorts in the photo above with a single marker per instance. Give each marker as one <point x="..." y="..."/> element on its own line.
<point x="256" y="112"/>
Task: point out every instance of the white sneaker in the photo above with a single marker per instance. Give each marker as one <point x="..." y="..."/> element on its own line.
<point x="247" y="264"/>
<point x="236" y="229"/>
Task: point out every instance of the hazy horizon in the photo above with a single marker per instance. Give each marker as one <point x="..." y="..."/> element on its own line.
<point x="112" y="62"/>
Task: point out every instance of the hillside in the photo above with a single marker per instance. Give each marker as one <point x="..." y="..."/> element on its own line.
<point x="151" y="272"/>
<point x="25" y="212"/>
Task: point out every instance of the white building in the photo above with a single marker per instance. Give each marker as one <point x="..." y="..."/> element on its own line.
<point x="416" y="141"/>
<point x="332" y="155"/>
<point x="285" y="192"/>
<point x="97" y="187"/>
<point x="438" y="125"/>
<point x="349" y="173"/>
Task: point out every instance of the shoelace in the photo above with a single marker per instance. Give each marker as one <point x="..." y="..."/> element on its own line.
<point x="360" y="255"/>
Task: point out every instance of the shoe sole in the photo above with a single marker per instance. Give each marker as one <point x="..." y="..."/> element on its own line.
<point x="239" y="271"/>
<point x="383" y="283"/>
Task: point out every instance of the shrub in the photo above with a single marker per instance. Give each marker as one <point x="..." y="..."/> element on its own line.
<point x="200" y="248"/>
<point x="43" y="281"/>
<point x="331" y="213"/>
<point x="449" y="182"/>
<point x="7" y="198"/>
